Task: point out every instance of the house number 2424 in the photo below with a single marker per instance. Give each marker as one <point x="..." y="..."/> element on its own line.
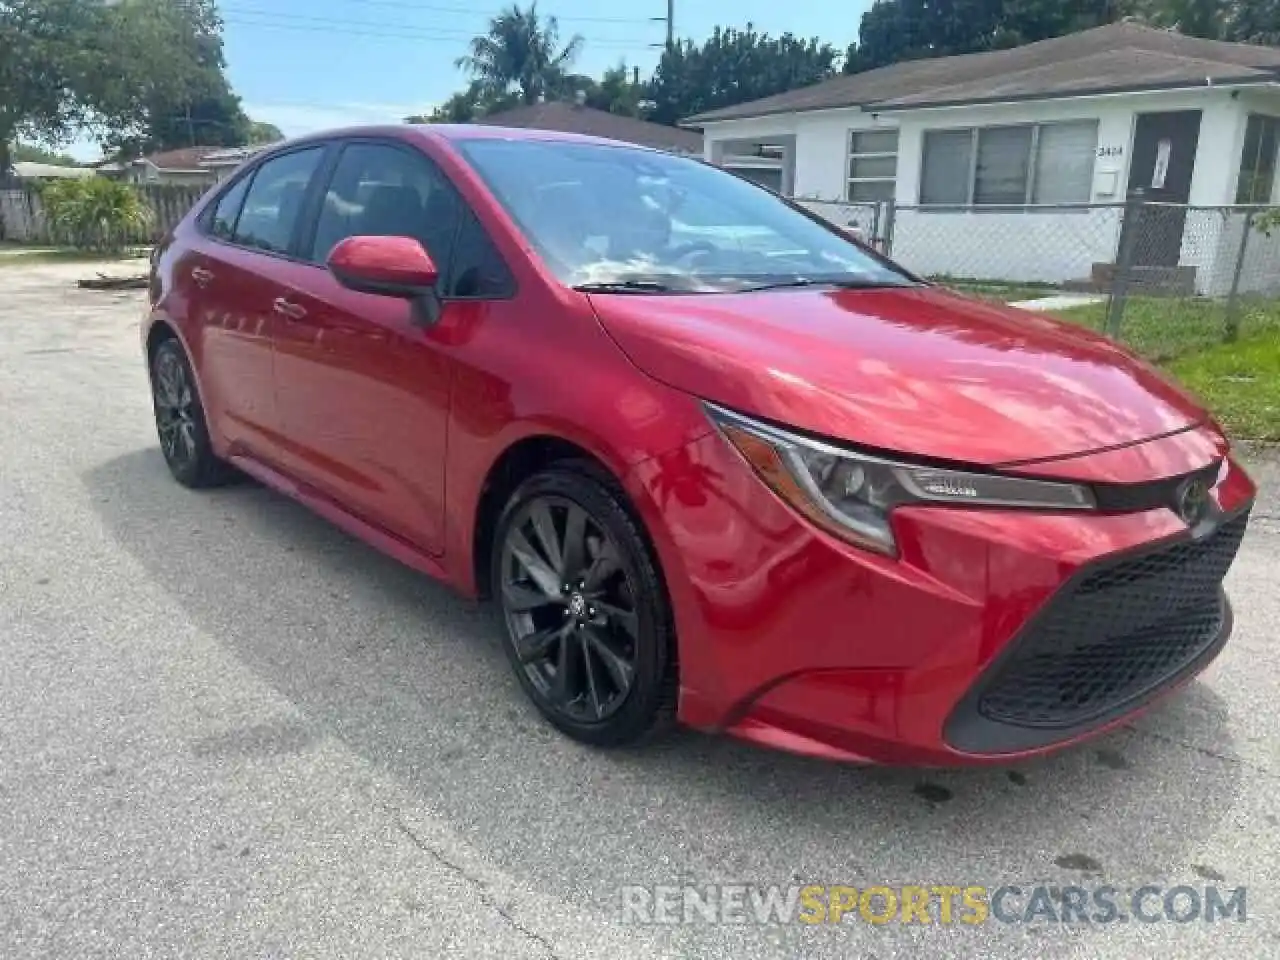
<point x="1110" y="151"/>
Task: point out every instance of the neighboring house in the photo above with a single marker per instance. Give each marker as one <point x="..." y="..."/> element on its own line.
<point x="221" y="163"/>
<point x="29" y="170"/>
<point x="182" y="166"/>
<point x="577" y="118"/>
<point x="976" y="150"/>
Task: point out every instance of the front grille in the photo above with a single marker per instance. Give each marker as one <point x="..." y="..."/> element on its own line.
<point x="1113" y="635"/>
<point x="1152" y="495"/>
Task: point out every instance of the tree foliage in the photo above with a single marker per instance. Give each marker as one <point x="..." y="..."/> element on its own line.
<point x="173" y="89"/>
<point x="734" y="66"/>
<point x="897" y="30"/>
<point x="521" y="52"/>
<point x="262" y="132"/>
<point x="30" y="153"/>
<point x="136" y="73"/>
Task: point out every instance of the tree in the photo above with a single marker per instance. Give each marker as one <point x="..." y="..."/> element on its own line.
<point x="45" y="69"/>
<point x="172" y="107"/>
<point x="262" y="132"/>
<point x="123" y="71"/>
<point x="28" y="153"/>
<point x="896" y="30"/>
<point x="617" y="92"/>
<point x="734" y="66"/>
<point x="520" y="52"/>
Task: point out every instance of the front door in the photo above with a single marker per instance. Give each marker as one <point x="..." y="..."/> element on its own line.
<point x="363" y="389"/>
<point x="1164" y="159"/>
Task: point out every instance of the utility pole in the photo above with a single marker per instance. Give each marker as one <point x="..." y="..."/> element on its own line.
<point x="670" y="19"/>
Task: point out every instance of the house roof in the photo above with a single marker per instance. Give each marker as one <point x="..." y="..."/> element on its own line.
<point x="184" y="159"/>
<point x="571" y="118"/>
<point x="1118" y="57"/>
<point x="231" y="156"/>
<point x="30" y="170"/>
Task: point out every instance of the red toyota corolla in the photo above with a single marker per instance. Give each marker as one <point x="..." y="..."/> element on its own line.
<point x="715" y="462"/>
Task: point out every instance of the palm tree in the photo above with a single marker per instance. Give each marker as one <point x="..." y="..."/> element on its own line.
<point x="520" y="51"/>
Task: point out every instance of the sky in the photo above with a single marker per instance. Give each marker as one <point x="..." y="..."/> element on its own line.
<point x="306" y="65"/>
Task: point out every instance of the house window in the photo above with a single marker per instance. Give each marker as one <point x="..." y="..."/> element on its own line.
<point x="873" y="165"/>
<point x="1049" y="163"/>
<point x="1258" y="162"/>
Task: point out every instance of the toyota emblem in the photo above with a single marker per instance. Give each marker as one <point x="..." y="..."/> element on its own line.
<point x="1193" y="501"/>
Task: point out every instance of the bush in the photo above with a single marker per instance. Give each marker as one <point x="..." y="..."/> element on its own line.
<point x="97" y="214"/>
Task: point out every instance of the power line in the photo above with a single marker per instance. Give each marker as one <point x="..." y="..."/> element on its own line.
<point x="434" y="8"/>
<point x="409" y="33"/>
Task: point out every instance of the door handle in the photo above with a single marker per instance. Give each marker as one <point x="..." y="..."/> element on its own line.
<point x="201" y="276"/>
<point x="289" y="310"/>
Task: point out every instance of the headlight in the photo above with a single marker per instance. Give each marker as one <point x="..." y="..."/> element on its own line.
<point x="852" y="494"/>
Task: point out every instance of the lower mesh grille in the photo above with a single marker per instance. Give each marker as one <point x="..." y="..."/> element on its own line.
<point x="1119" y="632"/>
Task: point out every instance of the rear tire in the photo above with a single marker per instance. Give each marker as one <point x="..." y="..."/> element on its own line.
<point x="180" y="420"/>
<point x="589" y="629"/>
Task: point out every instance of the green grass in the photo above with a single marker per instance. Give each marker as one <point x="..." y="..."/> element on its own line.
<point x="996" y="291"/>
<point x="1239" y="381"/>
<point x="1163" y="329"/>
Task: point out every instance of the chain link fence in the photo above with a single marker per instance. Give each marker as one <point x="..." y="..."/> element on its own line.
<point x="1165" y="278"/>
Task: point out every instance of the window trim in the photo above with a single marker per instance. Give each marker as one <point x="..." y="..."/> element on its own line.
<point x="313" y="203"/>
<point x="1033" y="163"/>
<point x="850" y="157"/>
<point x="203" y="220"/>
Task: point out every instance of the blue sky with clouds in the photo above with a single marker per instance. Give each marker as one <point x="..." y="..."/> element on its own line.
<point x="310" y="64"/>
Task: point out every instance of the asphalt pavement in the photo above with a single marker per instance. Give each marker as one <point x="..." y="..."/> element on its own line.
<point x="229" y="730"/>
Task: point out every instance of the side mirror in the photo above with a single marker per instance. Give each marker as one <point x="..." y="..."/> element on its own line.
<point x="388" y="267"/>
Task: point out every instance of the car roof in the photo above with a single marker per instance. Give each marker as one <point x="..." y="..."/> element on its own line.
<point x="455" y="132"/>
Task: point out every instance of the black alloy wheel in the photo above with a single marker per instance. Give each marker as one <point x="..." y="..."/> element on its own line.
<point x="586" y="616"/>
<point x="180" y="420"/>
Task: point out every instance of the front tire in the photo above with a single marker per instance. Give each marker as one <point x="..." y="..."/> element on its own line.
<point x="180" y="420"/>
<point x="588" y="622"/>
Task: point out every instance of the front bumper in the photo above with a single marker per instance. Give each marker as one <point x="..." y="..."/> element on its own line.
<point x="995" y="635"/>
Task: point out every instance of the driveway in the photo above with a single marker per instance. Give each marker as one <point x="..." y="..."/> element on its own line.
<point x="229" y="730"/>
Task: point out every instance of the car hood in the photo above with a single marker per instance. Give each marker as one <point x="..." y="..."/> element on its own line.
<point x="919" y="370"/>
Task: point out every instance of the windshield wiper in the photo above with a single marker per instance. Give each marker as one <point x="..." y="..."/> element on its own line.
<point x="818" y="282"/>
<point x="623" y="286"/>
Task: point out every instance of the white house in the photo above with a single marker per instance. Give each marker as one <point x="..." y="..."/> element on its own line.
<point x="1015" y="164"/>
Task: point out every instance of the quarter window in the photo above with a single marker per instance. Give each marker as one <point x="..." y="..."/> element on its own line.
<point x="273" y="204"/>
<point x="1009" y="166"/>
<point x="223" y="223"/>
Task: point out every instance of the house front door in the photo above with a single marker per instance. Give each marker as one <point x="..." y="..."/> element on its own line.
<point x="1164" y="159"/>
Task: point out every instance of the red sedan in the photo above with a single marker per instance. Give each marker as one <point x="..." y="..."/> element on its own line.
<point x="715" y="461"/>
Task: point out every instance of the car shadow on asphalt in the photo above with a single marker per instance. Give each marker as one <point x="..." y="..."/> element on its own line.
<point x="412" y="679"/>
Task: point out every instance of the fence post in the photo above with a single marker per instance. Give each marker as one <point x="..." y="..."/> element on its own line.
<point x="890" y="221"/>
<point x="1233" y="298"/>
<point x="1124" y="261"/>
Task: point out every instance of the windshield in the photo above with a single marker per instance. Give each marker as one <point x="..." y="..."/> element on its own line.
<point x="612" y="217"/>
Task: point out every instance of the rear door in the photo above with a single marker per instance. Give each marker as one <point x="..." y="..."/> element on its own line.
<point x="233" y="273"/>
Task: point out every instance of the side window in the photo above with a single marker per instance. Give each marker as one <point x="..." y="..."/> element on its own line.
<point x="383" y="191"/>
<point x="274" y="200"/>
<point x="223" y="222"/>
<point x="478" y="270"/>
